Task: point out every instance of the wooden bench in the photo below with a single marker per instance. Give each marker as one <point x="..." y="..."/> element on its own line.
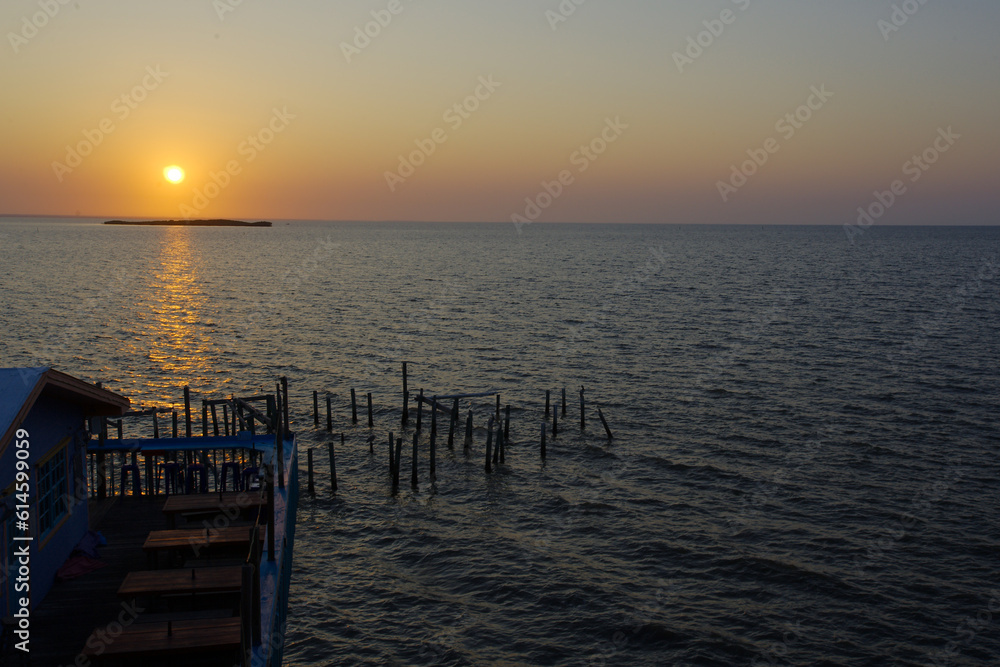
<point x="152" y="640"/>
<point x="180" y="582"/>
<point x="212" y="503"/>
<point x="197" y="540"/>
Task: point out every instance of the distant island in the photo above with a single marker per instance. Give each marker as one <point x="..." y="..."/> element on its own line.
<point x="191" y="223"/>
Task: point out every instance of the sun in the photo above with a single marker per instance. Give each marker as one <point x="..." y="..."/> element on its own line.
<point x="174" y="174"/>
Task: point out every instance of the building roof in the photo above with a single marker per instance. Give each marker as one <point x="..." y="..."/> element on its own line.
<point x="21" y="387"/>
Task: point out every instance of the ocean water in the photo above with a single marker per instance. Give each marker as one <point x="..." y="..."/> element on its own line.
<point x="804" y="469"/>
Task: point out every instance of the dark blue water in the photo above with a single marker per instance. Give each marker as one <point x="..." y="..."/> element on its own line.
<point x="804" y="468"/>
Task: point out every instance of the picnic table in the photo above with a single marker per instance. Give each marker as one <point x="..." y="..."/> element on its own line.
<point x="185" y="581"/>
<point x="180" y="637"/>
<point x="196" y="540"/>
<point x="212" y="503"/>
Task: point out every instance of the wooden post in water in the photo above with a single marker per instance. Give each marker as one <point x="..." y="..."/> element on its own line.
<point x="434" y="418"/>
<point x="543" y="439"/>
<point x="413" y="475"/>
<point x="420" y="409"/>
<point x="187" y="411"/>
<point x="501" y="444"/>
<point x="468" y="431"/>
<point x="175" y="423"/>
<point x="329" y="414"/>
<point x="156" y="427"/>
<point x="371" y="412"/>
<point x="333" y="468"/>
<point x="506" y="424"/>
<point x="583" y="412"/>
<point x="451" y="426"/>
<point x="564" y="401"/>
<point x="204" y="418"/>
<point x="284" y="407"/>
<point x="354" y="407"/>
<point x="605" y="422"/>
<point x="312" y="486"/>
<point x="392" y="455"/>
<point x="316" y="409"/>
<point x="489" y="446"/>
<point x="498" y="408"/>
<point x="547" y="393"/>
<point x="215" y="421"/>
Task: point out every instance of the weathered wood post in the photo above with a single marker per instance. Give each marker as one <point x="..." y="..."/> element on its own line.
<point x="564" y="401"/>
<point x="468" y="431"/>
<point x="547" y="393"/>
<point x="506" y="424"/>
<point x="489" y="446"/>
<point x="215" y="421"/>
<point x="187" y="410"/>
<point x="605" y="422"/>
<point x="451" y="426"/>
<point x="284" y="407"/>
<point x="312" y="487"/>
<point x="498" y="455"/>
<point x="225" y="420"/>
<point x="420" y="409"/>
<point x="316" y="409"/>
<point x="498" y="408"/>
<point x="354" y="406"/>
<point x="175" y="423"/>
<point x="434" y="418"/>
<point x="156" y="427"/>
<point x="333" y="468"/>
<point x="413" y="467"/>
<point x="329" y="413"/>
<point x="406" y="398"/>
<point x="583" y="412"/>
<point x="204" y="418"/>
<point x="543" y="439"/>
<point x="371" y="412"/>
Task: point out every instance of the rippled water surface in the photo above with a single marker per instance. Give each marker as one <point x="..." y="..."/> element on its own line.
<point x="804" y="468"/>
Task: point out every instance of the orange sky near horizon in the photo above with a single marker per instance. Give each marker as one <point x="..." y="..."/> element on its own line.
<point x="274" y="111"/>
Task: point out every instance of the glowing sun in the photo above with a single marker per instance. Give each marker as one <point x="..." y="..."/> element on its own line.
<point x="173" y="174"/>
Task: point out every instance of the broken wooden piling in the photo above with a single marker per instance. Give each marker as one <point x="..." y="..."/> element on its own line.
<point x="187" y="411"/>
<point x="371" y="413"/>
<point x="329" y="413"/>
<point x="406" y="398"/>
<point x="420" y="409"/>
<point x="605" y="422"/>
<point x="316" y="409"/>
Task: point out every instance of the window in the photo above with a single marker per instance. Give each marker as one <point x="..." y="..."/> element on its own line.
<point x="51" y="491"/>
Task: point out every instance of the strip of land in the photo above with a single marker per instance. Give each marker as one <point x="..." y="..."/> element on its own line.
<point x="191" y="223"/>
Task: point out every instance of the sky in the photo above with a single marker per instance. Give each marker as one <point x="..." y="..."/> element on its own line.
<point x="635" y="111"/>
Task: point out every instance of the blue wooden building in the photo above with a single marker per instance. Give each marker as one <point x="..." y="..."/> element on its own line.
<point x="43" y="436"/>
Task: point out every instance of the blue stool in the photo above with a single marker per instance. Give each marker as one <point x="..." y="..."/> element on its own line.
<point x="173" y="478"/>
<point x="191" y="470"/>
<point x="136" y="484"/>
<point x="249" y="473"/>
<point x="235" y="468"/>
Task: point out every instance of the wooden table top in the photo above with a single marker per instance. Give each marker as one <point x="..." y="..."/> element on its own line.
<point x="150" y="639"/>
<point x="194" y="537"/>
<point x="170" y="582"/>
<point x="209" y="502"/>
